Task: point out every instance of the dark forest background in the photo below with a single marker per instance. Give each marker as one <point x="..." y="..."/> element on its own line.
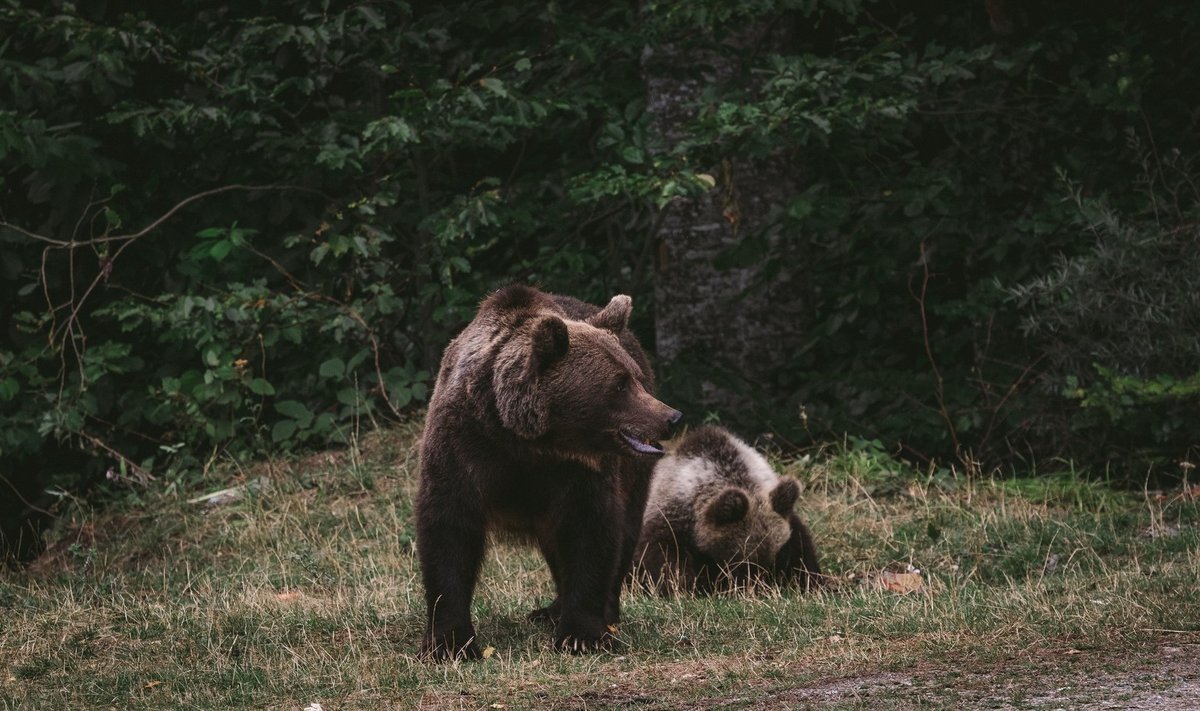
<point x="963" y="233"/>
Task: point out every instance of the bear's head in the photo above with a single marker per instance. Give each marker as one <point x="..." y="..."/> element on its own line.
<point x="743" y="531"/>
<point x="569" y="386"/>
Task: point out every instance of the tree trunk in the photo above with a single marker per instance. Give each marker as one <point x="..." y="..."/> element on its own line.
<point x="734" y="327"/>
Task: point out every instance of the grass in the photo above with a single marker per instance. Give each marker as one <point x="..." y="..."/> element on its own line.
<point x="308" y="591"/>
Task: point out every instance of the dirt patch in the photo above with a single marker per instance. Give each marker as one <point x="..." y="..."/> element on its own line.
<point x="833" y="692"/>
<point x="1168" y="679"/>
<point x="1171" y="682"/>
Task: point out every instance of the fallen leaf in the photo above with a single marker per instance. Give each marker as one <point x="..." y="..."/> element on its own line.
<point x="151" y="684"/>
<point x="488" y="652"/>
<point x="614" y="630"/>
<point x="497" y="705"/>
<point x="902" y="583"/>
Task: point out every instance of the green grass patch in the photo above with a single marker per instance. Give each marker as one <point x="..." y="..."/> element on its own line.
<point x="308" y="591"/>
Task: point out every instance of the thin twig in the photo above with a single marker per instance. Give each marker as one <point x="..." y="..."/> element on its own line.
<point x="939" y="390"/>
<point x="73" y="243"/>
<point x="24" y="500"/>
<point x="1012" y="389"/>
<point x="374" y="350"/>
<point x="140" y="475"/>
<point x="133" y="237"/>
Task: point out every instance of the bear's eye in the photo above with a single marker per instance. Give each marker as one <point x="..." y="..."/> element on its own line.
<point x="621" y="385"/>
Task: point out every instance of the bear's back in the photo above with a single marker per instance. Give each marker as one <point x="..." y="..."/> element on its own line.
<point x="707" y="461"/>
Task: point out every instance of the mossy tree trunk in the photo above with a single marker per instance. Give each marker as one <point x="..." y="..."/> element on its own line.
<point x="719" y="309"/>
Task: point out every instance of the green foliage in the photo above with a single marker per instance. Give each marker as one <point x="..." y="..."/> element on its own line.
<point x="1117" y="323"/>
<point x="240" y="227"/>
<point x="952" y="281"/>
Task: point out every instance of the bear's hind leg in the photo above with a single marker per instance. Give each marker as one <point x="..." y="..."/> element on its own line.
<point x="635" y="489"/>
<point x="630" y="535"/>
<point x="587" y="547"/>
<point x="450" y="545"/>
<point x="546" y="539"/>
<point x="450" y="561"/>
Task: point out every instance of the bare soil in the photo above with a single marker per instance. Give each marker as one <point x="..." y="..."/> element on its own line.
<point x="1168" y="680"/>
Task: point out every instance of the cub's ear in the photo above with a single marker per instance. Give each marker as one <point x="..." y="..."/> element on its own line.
<point x="548" y="343"/>
<point x="615" y="316"/>
<point x="729" y="507"/>
<point x="784" y="495"/>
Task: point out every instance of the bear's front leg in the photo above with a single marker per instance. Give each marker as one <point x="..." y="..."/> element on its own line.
<point x="450" y="545"/>
<point x="587" y="551"/>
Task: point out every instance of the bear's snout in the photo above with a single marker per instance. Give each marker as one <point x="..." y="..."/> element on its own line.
<point x="649" y="421"/>
<point x="673" y="421"/>
<point x="661" y="420"/>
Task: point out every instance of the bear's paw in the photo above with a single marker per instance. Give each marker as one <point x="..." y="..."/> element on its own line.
<point x="585" y="639"/>
<point x="454" y="645"/>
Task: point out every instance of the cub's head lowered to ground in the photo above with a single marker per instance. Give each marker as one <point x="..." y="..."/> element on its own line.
<point x="719" y="516"/>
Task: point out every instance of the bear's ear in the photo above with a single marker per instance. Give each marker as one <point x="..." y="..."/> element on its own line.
<point x="729" y="507"/>
<point x="784" y="495"/>
<point x="519" y="401"/>
<point x="615" y="316"/>
<point x="548" y="343"/>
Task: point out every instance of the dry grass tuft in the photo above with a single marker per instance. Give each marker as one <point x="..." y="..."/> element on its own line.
<point x="307" y="590"/>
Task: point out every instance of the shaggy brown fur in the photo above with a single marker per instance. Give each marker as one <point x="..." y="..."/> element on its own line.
<point x="719" y="517"/>
<point x="541" y="422"/>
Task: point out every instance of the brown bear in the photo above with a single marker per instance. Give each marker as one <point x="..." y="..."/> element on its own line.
<point x="542" y="422"/>
<point x="719" y="517"/>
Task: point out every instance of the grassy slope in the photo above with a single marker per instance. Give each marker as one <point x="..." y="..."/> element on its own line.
<point x="308" y="592"/>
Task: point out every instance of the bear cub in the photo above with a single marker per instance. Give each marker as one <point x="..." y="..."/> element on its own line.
<point x="542" y="422"/>
<point x="718" y="518"/>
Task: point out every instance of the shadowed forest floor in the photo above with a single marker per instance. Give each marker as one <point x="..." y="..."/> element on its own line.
<point x="1053" y="592"/>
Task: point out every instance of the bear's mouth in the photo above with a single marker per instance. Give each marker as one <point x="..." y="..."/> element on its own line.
<point x="639" y="444"/>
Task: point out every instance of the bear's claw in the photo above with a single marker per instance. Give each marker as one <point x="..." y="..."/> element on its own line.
<point x="586" y="644"/>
